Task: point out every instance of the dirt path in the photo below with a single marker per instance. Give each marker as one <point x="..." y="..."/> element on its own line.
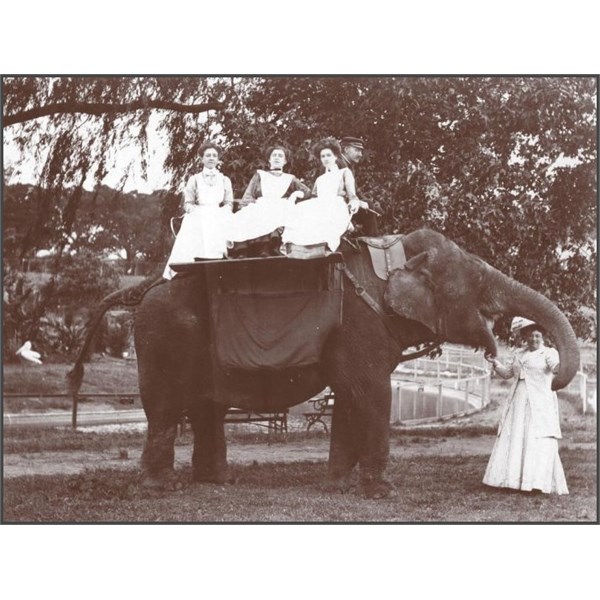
<point x="73" y="462"/>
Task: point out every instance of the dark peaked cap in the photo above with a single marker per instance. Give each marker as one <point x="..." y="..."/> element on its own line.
<point x="352" y="141"/>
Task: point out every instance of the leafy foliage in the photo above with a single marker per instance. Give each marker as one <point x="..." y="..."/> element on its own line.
<point x="115" y="336"/>
<point x="84" y="280"/>
<point x="108" y="221"/>
<point x="23" y="308"/>
<point x="70" y="145"/>
<point x="504" y="166"/>
<point x="63" y="334"/>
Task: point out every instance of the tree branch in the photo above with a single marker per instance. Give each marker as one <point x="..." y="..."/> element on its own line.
<point x="99" y="108"/>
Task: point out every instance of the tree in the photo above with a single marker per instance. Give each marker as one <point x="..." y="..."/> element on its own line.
<point x="84" y="280"/>
<point x="504" y="166"/>
<point x="113" y="221"/>
<point x="72" y="126"/>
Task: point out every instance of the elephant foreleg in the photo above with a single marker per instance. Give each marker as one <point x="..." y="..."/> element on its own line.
<point x="209" y="459"/>
<point x="360" y="434"/>
<point x="372" y="435"/>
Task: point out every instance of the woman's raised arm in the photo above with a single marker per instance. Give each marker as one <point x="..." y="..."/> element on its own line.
<point x="504" y="372"/>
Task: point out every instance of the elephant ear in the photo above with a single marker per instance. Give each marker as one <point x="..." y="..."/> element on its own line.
<point x="410" y="291"/>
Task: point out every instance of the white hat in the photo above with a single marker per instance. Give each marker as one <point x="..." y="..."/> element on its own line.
<point x="518" y="323"/>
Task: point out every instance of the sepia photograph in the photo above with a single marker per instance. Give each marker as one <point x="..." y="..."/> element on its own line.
<point x="279" y="299"/>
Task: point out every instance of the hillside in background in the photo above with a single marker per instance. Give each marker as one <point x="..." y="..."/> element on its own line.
<point x="108" y="222"/>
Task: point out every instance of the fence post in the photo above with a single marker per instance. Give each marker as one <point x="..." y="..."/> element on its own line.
<point x="482" y="382"/>
<point x="395" y="408"/>
<point x="74" y="410"/>
<point x="583" y="390"/>
<point x="416" y="396"/>
<point x="438" y="404"/>
<point x="400" y="402"/>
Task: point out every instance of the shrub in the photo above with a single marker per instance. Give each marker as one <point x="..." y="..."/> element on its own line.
<point x="85" y="279"/>
<point x="115" y="338"/>
<point x="63" y="333"/>
<point x="24" y="305"/>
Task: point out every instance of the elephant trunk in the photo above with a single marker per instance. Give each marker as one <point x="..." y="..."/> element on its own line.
<point x="520" y="300"/>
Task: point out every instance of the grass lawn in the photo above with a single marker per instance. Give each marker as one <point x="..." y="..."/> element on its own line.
<point x="432" y="485"/>
<point x="102" y="375"/>
<point x="430" y="489"/>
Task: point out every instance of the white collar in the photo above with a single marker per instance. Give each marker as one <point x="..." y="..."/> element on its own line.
<point x="208" y="171"/>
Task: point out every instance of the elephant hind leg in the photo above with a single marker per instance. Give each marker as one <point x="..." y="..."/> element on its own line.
<point x="158" y="456"/>
<point x="209" y="459"/>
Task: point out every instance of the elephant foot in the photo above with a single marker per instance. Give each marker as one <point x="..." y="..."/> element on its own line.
<point x="340" y="485"/>
<point x="378" y="489"/>
<point x="219" y="477"/>
<point x="162" y="482"/>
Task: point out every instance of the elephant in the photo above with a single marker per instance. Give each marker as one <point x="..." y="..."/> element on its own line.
<point x="441" y="294"/>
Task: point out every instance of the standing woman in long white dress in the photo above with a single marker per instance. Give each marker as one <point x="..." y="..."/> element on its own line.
<point x="525" y="455"/>
<point x="207" y="203"/>
<point x="325" y="217"/>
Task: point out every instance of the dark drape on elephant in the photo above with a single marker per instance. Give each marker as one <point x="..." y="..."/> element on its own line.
<point x="272" y="314"/>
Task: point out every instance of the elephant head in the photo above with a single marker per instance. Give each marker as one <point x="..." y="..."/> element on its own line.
<point x="459" y="297"/>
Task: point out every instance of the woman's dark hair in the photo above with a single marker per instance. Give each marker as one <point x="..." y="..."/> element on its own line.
<point x="286" y="151"/>
<point x="525" y="331"/>
<point x="208" y="145"/>
<point x="327" y="144"/>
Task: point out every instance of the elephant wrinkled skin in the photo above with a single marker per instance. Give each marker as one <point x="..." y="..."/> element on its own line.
<point x="443" y="293"/>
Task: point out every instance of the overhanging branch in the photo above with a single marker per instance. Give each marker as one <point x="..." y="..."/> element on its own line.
<point x="100" y="108"/>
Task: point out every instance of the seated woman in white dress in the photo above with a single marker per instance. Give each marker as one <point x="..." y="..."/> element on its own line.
<point x="525" y="455"/>
<point x="262" y="211"/>
<point x="325" y="217"/>
<point x="207" y="202"/>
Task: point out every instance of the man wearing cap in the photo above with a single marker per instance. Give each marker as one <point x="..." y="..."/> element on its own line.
<point x="352" y="154"/>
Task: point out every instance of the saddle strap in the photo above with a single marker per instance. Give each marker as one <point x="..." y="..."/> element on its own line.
<point x="362" y="293"/>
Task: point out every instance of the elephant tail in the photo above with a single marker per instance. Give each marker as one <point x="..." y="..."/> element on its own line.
<point x="131" y="296"/>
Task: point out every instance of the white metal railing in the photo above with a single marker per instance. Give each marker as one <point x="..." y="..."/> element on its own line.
<point x="456" y="383"/>
<point x="585" y="385"/>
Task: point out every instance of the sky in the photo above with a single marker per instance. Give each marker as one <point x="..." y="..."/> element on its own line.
<point x="29" y="166"/>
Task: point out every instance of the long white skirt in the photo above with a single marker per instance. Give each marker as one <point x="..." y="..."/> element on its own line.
<point x="258" y="219"/>
<point x="318" y="220"/>
<point x="202" y="235"/>
<point x="520" y="460"/>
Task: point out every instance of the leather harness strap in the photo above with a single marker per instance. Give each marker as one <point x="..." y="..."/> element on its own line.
<point x="362" y="293"/>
